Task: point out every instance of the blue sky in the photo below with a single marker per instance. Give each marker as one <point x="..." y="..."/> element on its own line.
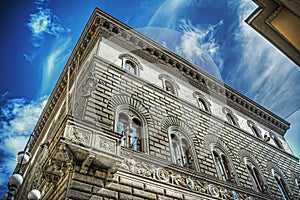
<point x="37" y="38"/>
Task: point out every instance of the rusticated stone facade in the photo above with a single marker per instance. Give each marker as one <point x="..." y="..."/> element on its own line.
<point x="128" y="119"/>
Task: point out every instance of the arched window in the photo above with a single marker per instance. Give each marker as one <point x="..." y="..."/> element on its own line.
<point x="180" y="149"/>
<point x="222" y="165"/>
<point x="130" y="67"/>
<point x="203" y="103"/>
<point x="255" y="177"/>
<point x="281" y="186"/>
<point x="169" y="84"/>
<point x="277" y="141"/>
<point x="130" y="126"/>
<point x="169" y="87"/>
<point x="254" y="129"/>
<point x="231" y="118"/>
<point x="131" y="64"/>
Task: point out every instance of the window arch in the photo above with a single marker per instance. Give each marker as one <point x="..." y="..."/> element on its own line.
<point x="281" y="184"/>
<point x="169" y="87"/>
<point x="277" y="141"/>
<point x="181" y="150"/>
<point x="130" y="67"/>
<point x="169" y="84"/>
<point x="131" y="126"/>
<point x="256" y="131"/>
<point x="231" y="118"/>
<point x="202" y="101"/>
<point x="222" y="165"/>
<point x="255" y="176"/>
<point x="130" y="64"/>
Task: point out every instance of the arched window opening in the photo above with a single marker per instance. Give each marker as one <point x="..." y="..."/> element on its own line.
<point x="203" y="105"/>
<point x="169" y="84"/>
<point x="175" y="147"/>
<point x="255" y="178"/>
<point x="254" y="129"/>
<point x="131" y="130"/>
<point x="231" y="119"/>
<point x="169" y="87"/>
<point x="277" y="142"/>
<point x="130" y="67"/>
<point x="222" y="166"/>
<point x="282" y="187"/>
<point x="131" y="64"/>
<point x="202" y="101"/>
<point x="181" y="151"/>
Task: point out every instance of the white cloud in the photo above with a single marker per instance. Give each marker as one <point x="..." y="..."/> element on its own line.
<point x="269" y="75"/>
<point x="41" y="23"/>
<point x="199" y="46"/>
<point x="45" y="21"/>
<point x="55" y="61"/>
<point x="30" y="56"/>
<point x="166" y="13"/>
<point x="18" y="118"/>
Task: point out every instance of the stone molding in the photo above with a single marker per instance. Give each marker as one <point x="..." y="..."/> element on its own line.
<point x="177" y="179"/>
<point x="123" y="99"/>
<point x="131" y="58"/>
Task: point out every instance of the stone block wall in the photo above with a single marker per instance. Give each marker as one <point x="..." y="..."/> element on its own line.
<point x="116" y="87"/>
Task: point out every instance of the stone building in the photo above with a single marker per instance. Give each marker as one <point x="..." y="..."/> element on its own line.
<point x="129" y="119"/>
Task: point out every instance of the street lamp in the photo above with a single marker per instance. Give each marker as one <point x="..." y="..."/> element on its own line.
<point x="34" y="195"/>
<point x="16" y="180"/>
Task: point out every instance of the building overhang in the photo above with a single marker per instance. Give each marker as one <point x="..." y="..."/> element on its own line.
<point x="279" y="22"/>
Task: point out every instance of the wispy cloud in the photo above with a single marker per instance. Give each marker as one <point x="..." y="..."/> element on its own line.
<point x="166" y="13"/>
<point x="198" y="45"/>
<point x="18" y="118"/>
<point x="55" y="61"/>
<point x="41" y="23"/>
<point x="268" y="76"/>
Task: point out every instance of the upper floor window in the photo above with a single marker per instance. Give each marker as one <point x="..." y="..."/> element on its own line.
<point x="180" y="149"/>
<point x="254" y="129"/>
<point x="169" y="87"/>
<point x="255" y="177"/>
<point x="130" y="64"/>
<point x="231" y="118"/>
<point x="203" y="103"/>
<point x="130" y="126"/>
<point x="281" y="186"/>
<point x="222" y="165"/>
<point x="276" y="141"/>
<point x="169" y="84"/>
<point x="130" y="67"/>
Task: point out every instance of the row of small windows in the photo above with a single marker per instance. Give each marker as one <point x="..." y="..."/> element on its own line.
<point x="131" y="65"/>
<point x="132" y="128"/>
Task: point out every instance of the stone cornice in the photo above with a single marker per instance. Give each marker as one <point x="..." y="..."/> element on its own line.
<point x="102" y="24"/>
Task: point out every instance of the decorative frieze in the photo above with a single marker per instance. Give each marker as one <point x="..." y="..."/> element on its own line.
<point x="173" y="178"/>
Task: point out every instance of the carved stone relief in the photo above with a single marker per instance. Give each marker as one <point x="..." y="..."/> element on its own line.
<point x="77" y="135"/>
<point x="107" y="145"/>
<point x="177" y="179"/>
